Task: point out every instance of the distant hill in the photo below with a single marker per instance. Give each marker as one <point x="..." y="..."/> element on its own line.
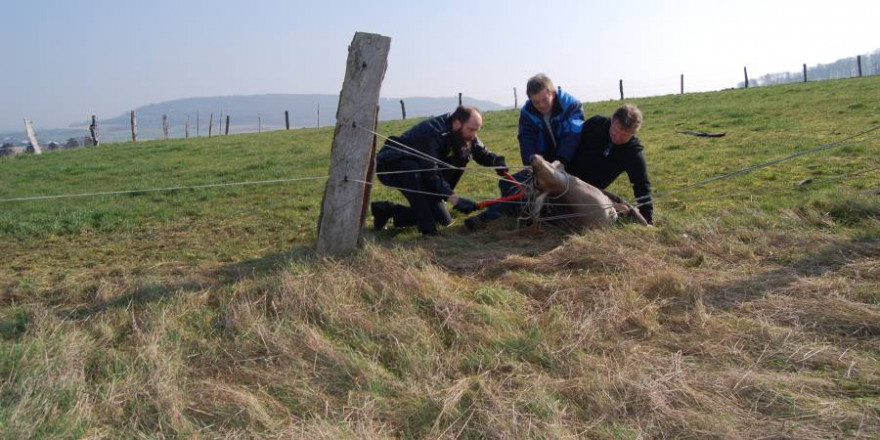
<point x="247" y="113"/>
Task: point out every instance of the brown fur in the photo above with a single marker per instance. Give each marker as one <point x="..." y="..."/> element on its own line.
<point x="590" y="207"/>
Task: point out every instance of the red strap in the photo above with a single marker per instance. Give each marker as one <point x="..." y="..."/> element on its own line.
<point x="488" y="203"/>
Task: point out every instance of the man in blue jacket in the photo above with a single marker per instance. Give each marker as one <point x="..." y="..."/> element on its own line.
<point x="425" y="164"/>
<point x="550" y="125"/>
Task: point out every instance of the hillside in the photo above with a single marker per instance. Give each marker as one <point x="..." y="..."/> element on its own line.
<point x="751" y="310"/>
<point x="248" y="114"/>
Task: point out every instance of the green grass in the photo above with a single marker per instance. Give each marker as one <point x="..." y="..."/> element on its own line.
<point x="752" y="308"/>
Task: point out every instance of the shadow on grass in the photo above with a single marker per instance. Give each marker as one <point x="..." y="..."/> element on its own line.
<point x="139" y="297"/>
<point x="225" y="275"/>
<point x="823" y="262"/>
<point x="268" y="264"/>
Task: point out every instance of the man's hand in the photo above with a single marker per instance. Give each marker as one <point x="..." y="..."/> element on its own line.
<point x="501" y="166"/>
<point x="464" y="205"/>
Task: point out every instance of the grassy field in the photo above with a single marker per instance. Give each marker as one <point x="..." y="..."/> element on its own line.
<point x="751" y="310"/>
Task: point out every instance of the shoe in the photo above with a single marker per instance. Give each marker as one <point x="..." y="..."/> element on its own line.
<point x="382" y="212"/>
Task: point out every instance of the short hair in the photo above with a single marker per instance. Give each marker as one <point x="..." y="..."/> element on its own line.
<point x="538" y="83"/>
<point x="463" y="113"/>
<point x="629" y="116"/>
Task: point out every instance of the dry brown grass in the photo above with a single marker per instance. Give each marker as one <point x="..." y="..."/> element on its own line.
<point x="625" y="333"/>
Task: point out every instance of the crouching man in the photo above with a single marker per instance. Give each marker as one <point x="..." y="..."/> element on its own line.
<point x="416" y="164"/>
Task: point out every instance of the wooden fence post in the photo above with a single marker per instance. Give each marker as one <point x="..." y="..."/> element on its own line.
<point x="134" y="126"/>
<point x="198" y="125"/>
<point x="371" y="173"/>
<point x="318" y="120"/>
<point x="515" y="99"/>
<point x="286" y="120"/>
<point x="186" y="128"/>
<point x="746" y="73"/>
<point x="164" y="126"/>
<point x="805" y="72"/>
<point x="259" y="123"/>
<point x="402" y="110"/>
<point x="32" y="137"/>
<point x="859" y="62"/>
<point x="682" y="84"/>
<point x="339" y="224"/>
<point x="459" y="98"/>
<point x="226" y="133"/>
<point x="93" y="130"/>
<point x="621" y="90"/>
<point x="210" y="125"/>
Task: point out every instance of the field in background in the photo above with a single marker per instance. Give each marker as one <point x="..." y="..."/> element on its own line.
<point x="751" y="310"/>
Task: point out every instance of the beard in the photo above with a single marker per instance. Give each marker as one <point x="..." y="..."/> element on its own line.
<point x="461" y="147"/>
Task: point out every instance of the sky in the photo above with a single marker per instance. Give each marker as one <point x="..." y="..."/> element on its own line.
<point x="62" y="61"/>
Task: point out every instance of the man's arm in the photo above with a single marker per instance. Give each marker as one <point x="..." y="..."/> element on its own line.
<point x="484" y="157"/>
<point x="636" y="168"/>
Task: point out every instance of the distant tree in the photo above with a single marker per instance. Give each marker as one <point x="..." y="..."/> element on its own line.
<point x="71" y="143"/>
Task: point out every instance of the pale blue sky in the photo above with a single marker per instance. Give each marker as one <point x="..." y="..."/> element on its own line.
<point x="63" y="61"/>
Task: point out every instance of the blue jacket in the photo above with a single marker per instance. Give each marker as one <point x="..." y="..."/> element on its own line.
<point x="566" y="121"/>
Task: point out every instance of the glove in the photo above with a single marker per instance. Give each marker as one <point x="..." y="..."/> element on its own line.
<point x="499" y="162"/>
<point x="464" y="205"/>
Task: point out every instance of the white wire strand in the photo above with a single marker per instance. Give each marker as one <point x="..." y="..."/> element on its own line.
<point x="178" y="188"/>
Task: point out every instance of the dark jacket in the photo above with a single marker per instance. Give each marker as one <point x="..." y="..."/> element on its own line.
<point x="434" y="137"/>
<point x="599" y="162"/>
<point x="566" y="120"/>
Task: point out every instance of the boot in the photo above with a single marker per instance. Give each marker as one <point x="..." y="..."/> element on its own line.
<point x="382" y="212"/>
<point x="477" y="222"/>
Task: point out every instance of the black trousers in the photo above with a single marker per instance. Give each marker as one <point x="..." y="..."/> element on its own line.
<point x="424" y="211"/>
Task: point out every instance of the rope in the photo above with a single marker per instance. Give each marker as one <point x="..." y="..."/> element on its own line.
<point x="178" y="188"/>
<point x="766" y="164"/>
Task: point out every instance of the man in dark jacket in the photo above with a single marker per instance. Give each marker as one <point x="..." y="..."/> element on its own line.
<point x="550" y="125"/>
<point x="609" y="147"/>
<point x="425" y="164"/>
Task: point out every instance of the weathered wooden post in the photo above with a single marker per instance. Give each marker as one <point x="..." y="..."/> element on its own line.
<point x="515" y="99"/>
<point x="134" y="126"/>
<point x="226" y="133"/>
<point x="340" y="223"/>
<point x="746" y="73"/>
<point x="459" y="98"/>
<point x="621" y="90"/>
<point x="682" y="84"/>
<point x="805" y="72"/>
<point x="198" y="125"/>
<point x="93" y="130"/>
<point x="318" y="120"/>
<point x="259" y="123"/>
<point x="186" y="128"/>
<point x="164" y="126"/>
<point x="210" y="125"/>
<point x="286" y="120"/>
<point x="32" y="137"/>
<point x="402" y="110"/>
<point x="859" y="63"/>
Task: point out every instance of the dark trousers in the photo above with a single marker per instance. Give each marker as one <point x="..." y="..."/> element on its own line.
<point x="424" y="211"/>
<point x="507" y="188"/>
